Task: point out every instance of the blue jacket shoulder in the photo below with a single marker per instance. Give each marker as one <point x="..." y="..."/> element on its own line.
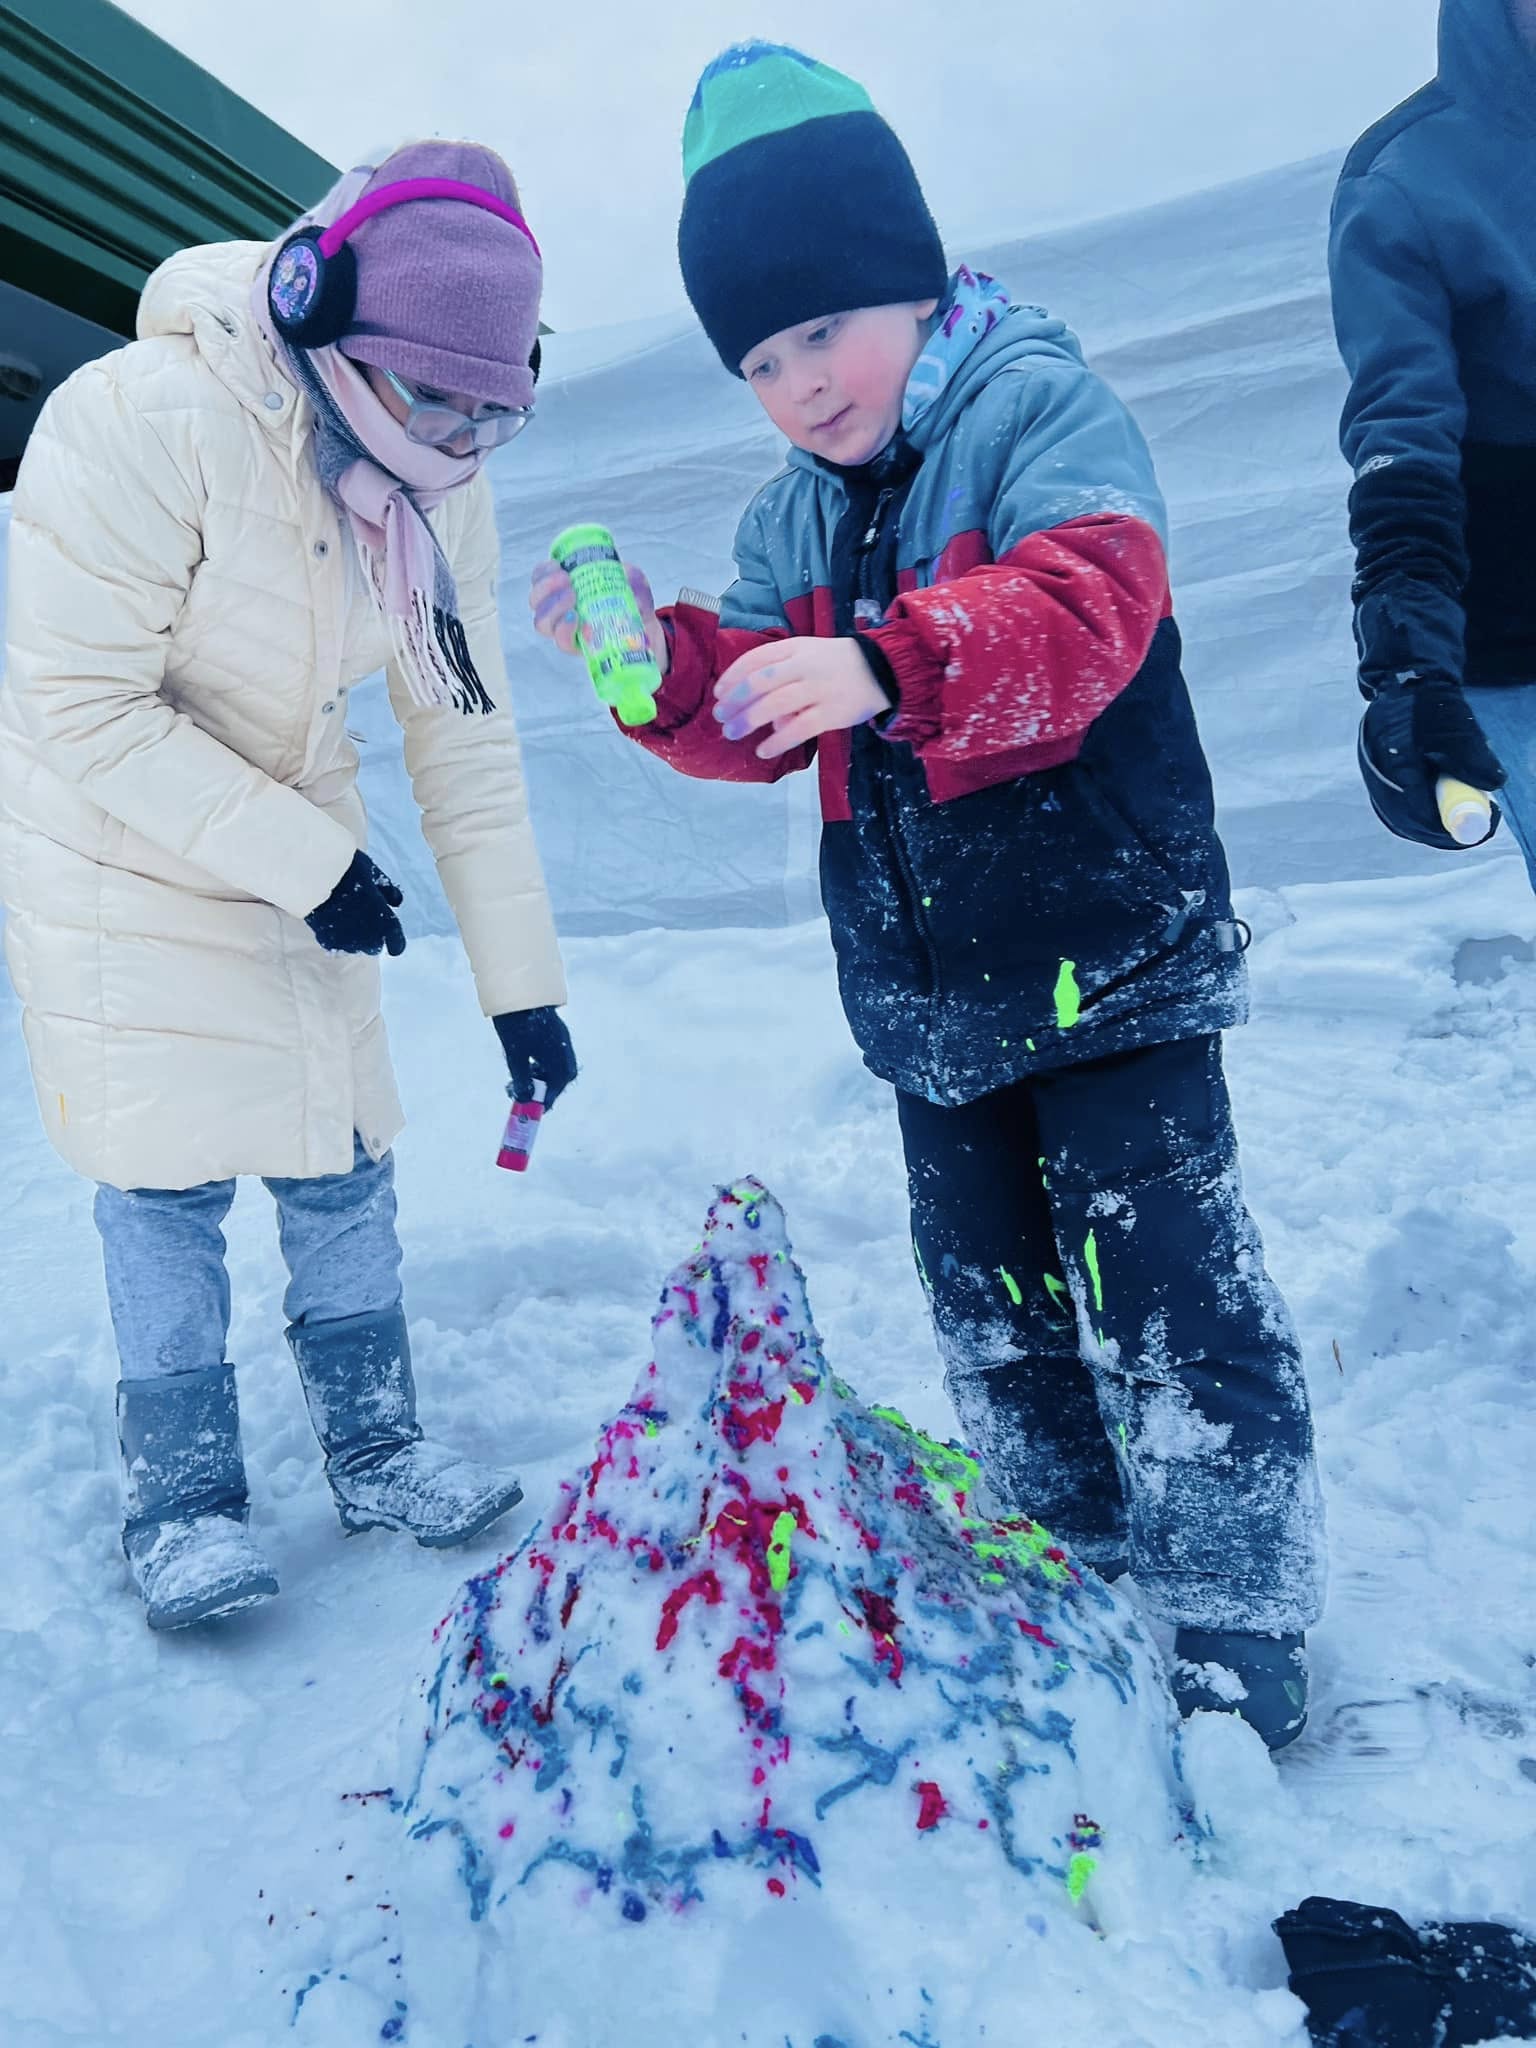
<point x="1419" y="107"/>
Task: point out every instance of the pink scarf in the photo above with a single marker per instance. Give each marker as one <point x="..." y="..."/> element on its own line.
<point x="385" y="483"/>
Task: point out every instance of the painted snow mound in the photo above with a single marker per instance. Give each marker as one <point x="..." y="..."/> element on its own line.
<point x="766" y="1710"/>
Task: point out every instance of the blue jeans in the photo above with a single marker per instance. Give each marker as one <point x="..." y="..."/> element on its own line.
<point x="167" y="1286"/>
<point x="1507" y="714"/>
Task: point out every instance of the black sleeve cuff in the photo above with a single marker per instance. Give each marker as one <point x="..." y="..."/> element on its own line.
<point x="880" y="668"/>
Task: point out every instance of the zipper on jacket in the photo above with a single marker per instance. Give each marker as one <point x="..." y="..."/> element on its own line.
<point x="889" y="803"/>
<point x="872" y="531"/>
<point x="891" y="815"/>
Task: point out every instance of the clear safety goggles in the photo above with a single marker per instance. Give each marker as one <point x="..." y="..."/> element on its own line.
<point x="436" y="424"/>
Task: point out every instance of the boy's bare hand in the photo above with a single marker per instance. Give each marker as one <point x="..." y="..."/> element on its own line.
<point x="552" y="600"/>
<point x="801" y="687"/>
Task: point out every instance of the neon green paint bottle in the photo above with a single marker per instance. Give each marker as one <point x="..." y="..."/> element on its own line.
<point x="611" y="630"/>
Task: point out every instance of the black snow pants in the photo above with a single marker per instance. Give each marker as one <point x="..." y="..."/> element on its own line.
<point x="1117" y="1354"/>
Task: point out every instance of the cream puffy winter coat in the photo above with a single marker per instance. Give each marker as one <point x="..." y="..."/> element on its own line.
<point x="177" y="787"/>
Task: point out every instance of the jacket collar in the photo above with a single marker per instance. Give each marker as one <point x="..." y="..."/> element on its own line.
<point x="1486" y="64"/>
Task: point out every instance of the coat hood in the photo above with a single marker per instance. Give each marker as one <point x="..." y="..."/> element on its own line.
<point x="1486" y="63"/>
<point x="1021" y="332"/>
<point x="205" y="293"/>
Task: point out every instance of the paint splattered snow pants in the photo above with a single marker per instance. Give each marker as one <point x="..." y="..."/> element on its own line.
<point x="1117" y="1354"/>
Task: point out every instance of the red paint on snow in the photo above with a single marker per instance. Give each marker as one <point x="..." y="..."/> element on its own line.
<point x="883" y="1622"/>
<point x="933" y="1807"/>
<point x="703" y="1584"/>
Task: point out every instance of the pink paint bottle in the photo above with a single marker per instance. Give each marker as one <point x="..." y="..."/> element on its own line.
<point x="522" y="1128"/>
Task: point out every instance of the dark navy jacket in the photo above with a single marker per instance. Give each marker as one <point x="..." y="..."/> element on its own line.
<point x="1020" y="868"/>
<point x="1433" y="261"/>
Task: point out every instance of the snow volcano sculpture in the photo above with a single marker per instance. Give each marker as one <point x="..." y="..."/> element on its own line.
<point x="767" y="1734"/>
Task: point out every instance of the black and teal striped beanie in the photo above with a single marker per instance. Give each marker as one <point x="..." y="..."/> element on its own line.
<point x="800" y="201"/>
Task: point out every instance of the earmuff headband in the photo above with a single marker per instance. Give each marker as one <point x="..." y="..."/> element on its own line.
<point x="401" y="194"/>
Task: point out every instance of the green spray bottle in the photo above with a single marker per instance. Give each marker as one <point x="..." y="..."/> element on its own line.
<point x="610" y="628"/>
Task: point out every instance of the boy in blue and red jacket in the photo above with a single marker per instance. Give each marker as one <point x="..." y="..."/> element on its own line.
<point x="954" y="601"/>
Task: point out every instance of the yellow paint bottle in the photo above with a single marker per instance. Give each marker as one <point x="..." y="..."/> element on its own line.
<point x="1466" y="813"/>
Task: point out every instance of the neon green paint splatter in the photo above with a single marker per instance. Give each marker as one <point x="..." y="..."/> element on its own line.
<point x="1069" y="1000"/>
<point x="1057" y="1290"/>
<point x="927" y="903"/>
<point x="1125" y="1436"/>
<point x="953" y="1475"/>
<point x="796" y="1396"/>
<point x="499" y="1678"/>
<point x="922" y="1270"/>
<point x="653" y="1429"/>
<point x="1091" y="1260"/>
<point x="1030" y="1043"/>
<point x="1015" y="1292"/>
<point x="1079" y="1871"/>
<point x="779" y="1544"/>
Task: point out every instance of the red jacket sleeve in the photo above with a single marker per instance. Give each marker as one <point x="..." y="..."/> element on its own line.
<point x="685" y="733"/>
<point x="1029" y="649"/>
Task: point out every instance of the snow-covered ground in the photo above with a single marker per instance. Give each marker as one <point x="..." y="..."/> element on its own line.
<point x="186" y="1840"/>
<point x="187" y="1832"/>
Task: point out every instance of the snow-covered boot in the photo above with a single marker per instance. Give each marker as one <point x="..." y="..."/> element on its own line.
<point x="1261" y="1678"/>
<point x="185" y="1509"/>
<point x="383" y="1472"/>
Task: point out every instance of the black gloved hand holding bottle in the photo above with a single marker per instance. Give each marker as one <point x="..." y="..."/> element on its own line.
<point x="1413" y="732"/>
<point x="538" y="1048"/>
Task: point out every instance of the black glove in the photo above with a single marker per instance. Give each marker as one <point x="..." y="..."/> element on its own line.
<point x="1368" y="1978"/>
<point x="359" y="914"/>
<point x="1412" y="734"/>
<point x="538" y="1048"/>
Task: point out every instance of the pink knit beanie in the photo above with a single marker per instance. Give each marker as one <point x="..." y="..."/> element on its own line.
<point x="448" y="293"/>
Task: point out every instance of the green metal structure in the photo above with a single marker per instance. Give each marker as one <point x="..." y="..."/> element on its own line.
<point x="115" y="151"/>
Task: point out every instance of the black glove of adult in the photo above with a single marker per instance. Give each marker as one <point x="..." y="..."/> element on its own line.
<point x="359" y="914"/>
<point x="538" y="1048"/>
<point x="1412" y="734"/>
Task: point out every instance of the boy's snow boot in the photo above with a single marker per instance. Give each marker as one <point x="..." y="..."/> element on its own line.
<point x="383" y="1472"/>
<point x="1261" y="1678"/>
<point x="184" y="1531"/>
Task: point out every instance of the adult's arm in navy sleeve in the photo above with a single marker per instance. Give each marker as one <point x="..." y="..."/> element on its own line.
<point x="1402" y="434"/>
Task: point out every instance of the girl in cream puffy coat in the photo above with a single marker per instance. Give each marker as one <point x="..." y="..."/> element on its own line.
<point x="217" y="532"/>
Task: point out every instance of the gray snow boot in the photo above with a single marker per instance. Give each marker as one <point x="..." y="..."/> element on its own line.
<point x="1263" y="1679"/>
<point x="383" y="1472"/>
<point x="184" y="1531"/>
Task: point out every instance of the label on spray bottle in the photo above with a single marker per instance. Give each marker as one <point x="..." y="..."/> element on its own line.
<point x="612" y="632"/>
<point x="522" y="1128"/>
